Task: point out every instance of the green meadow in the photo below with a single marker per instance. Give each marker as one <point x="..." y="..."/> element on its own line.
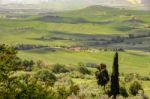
<point x="129" y="60"/>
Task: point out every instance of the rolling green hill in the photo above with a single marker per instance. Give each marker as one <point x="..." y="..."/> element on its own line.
<point x="95" y="27"/>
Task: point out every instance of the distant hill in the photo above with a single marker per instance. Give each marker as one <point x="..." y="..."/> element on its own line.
<point x="132" y="29"/>
<point x="61" y="5"/>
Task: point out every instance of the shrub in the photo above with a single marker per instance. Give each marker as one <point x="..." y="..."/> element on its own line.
<point x="81" y="64"/>
<point x="28" y="64"/>
<point x="36" y="91"/>
<point x="39" y="63"/>
<point x="145" y="78"/>
<point x="46" y="76"/>
<point x="75" y="74"/>
<point x="63" y="92"/>
<point x="123" y="92"/>
<point x="63" y="86"/>
<point x="64" y="81"/>
<point x="74" y="89"/>
<point x="92" y="65"/>
<point x="107" y="90"/>
<point x="84" y="70"/>
<point x="135" y="87"/>
<point x="130" y="77"/>
<point x="58" y="68"/>
<point x="25" y="86"/>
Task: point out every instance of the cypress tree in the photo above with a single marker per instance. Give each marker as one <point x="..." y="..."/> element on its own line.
<point x="115" y="77"/>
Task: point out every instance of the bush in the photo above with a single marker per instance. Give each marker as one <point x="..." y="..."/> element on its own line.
<point x="74" y="89"/>
<point x="36" y="91"/>
<point x="84" y="70"/>
<point x="58" y="68"/>
<point x="92" y="65"/>
<point x="135" y="87"/>
<point x="130" y="77"/>
<point x="28" y="64"/>
<point x="123" y="92"/>
<point x="81" y="64"/>
<point x="63" y="92"/>
<point x="39" y="63"/>
<point x="63" y="87"/>
<point x="64" y="81"/>
<point x="145" y="78"/>
<point x="25" y="86"/>
<point x="46" y="76"/>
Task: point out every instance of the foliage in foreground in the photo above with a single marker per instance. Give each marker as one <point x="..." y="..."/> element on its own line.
<point x="19" y="83"/>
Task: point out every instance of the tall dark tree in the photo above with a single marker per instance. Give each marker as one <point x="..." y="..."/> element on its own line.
<point x="102" y="76"/>
<point x="115" y="77"/>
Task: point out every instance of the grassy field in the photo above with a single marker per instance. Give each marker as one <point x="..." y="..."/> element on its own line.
<point x="130" y="61"/>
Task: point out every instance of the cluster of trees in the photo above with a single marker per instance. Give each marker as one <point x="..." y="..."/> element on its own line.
<point x="131" y="36"/>
<point x="115" y="89"/>
<point x="28" y="46"/>
<point x="103" y="77"/>
<point x="17" y="83"/>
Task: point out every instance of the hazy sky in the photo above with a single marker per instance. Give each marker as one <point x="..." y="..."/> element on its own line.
<point x="86" y="1"/>
<point x="52" y="1"/>
<point x="79" y="2"/>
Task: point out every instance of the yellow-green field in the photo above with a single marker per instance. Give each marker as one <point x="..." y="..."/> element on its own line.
<point x="130" y="61"/>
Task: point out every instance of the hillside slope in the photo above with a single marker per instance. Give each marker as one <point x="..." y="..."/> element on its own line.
<point x="95" y="26"/>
